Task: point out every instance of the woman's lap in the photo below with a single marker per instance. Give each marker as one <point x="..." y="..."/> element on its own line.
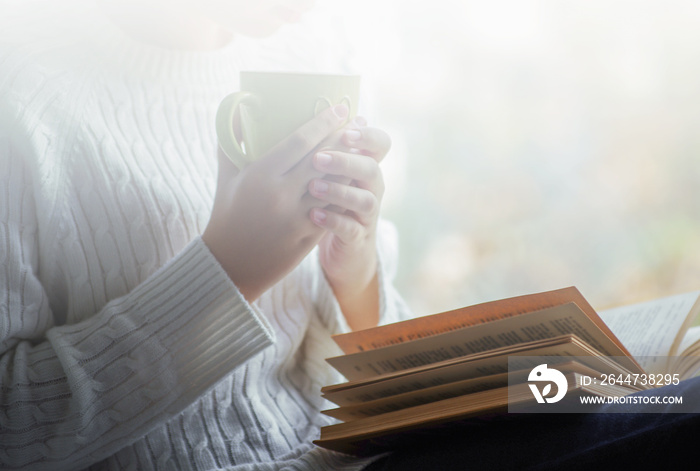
<point x="561" y="441"/>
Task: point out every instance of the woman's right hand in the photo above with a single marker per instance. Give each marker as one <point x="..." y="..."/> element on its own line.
<point x="260" y="228"/>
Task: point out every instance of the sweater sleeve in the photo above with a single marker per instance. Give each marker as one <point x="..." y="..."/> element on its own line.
<point x="71" y="395"/>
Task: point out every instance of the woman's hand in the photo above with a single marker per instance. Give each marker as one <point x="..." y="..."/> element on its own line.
<point x="351" y="190"/>
<point x="260" y="228"/>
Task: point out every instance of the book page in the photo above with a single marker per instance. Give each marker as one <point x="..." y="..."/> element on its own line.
<point x="426" y="326"/>
<point x="688" y="364"/>
<point x="370" y="435"/>
<point x="691" y="342"/>
<point x="456" y="369"/>
<point x="444" y="391"/>
<point x="538" y="325"/>
<point x="654" y="328"/>
<point x="421" y="396"/>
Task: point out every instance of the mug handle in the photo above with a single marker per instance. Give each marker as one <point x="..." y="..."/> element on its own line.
<point x="224" y="127"/>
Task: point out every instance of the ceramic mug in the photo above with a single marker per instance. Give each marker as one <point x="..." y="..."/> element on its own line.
<point x="272" y="105"/>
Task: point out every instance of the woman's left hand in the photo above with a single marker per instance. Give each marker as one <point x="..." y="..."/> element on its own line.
<point x="351" y="190"/>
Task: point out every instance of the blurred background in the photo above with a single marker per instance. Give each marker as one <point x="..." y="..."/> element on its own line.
<point x="537" y="145"/>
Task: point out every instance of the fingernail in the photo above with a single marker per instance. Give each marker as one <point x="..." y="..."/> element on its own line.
<point x="341" y="111"/>
<point x="323" y="159"/>
<point x="360" y="121"/>
<point x="353" y="135"/>
<point x="320" y="187"/>
<point x="318" y="216"/>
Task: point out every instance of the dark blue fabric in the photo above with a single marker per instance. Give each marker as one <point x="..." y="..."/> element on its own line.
<point x="602" y="440"/>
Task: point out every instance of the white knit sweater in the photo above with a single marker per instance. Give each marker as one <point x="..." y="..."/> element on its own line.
<point x="123" y="344"/>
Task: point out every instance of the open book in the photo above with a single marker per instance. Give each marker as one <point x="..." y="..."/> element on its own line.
<point x="436" y="369"/>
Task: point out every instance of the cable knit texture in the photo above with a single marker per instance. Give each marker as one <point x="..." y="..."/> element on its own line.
<point x="123" y="344"/>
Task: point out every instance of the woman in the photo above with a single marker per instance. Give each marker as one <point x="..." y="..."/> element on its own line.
<point x="161" y="310"/>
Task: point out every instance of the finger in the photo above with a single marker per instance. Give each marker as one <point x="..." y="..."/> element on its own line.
<point x="363" y="203"/>
<point x="349" y="230"/>
<point x="337" y="141"/>
<point x="364" y="170"/>
<point x="293" y="148"/>
<point x="369" y="141"/>
<point x="359" y="121"/>
<point x="304" y="170"/>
